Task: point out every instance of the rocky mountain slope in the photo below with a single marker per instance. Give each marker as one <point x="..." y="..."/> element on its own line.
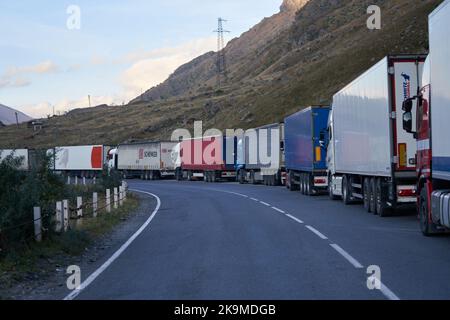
<point x="298" y="57"/>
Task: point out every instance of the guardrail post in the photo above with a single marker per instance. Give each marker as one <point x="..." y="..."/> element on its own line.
<point x="124" y="189"/>
<point x="121" y="196"/>
<point x="79" y="205"/>
<point x="116" y="196"/>
<point x="37" y="224"/>
<point x="68" y="180"/>
<point x="108" y="200"/>
<point x="66" y="214"/>
<point x="94" y="204"/>
<point x="59" y="216"/>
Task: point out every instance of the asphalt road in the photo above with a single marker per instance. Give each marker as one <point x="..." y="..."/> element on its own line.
<point x="230" y="241"/>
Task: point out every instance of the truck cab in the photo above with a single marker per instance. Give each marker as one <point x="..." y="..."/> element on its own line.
<point x="426" y="117"/>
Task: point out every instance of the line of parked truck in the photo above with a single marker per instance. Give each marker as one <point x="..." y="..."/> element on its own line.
<point x="384" y="142"/>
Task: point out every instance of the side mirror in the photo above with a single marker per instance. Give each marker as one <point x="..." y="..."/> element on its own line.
<point x="407" y="122"/>
<point x="408" y="105"/>
<point x="322" y="139"/>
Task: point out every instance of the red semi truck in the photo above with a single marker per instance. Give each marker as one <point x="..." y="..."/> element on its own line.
<point x="208" y="158"/>
<point x="428" y="121"/>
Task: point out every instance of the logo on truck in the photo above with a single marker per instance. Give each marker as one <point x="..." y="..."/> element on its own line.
<point x="147" y="154"/>
<point x="406" y="86"/>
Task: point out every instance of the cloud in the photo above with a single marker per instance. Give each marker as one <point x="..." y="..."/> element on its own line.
<point x="15" y="77"/>
<point x="145" y="70"/>
<point x="153" y="67"/>
<point x="41" y="68"/>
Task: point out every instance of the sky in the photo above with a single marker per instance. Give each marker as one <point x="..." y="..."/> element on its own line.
<point x="53" y="54"/>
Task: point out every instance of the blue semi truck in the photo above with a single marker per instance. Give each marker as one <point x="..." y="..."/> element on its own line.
<point x="305" y="150"/>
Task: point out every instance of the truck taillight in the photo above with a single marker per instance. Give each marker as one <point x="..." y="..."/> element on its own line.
<point x="407" y="193"/>
<point x="320" y="180"/>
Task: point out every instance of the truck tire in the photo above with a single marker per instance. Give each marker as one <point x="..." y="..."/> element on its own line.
<point x="426" y="226"/>
<point x="241" y="176"/>
<point x="308" y="187"/>
<point x="373" y="200"/>
<point x="178" y="175"/>
<point x="330" y="190"/>
<point x="346" y="190"/>
<point x="272" y="180"/>
<point x="252" y="177"/>
<point x="302" y="183"/>
<point x="189" y="175"/>
<point x="291" y="182"/>
<point x="382" y="207"/>
<point x="213" y="176"/>
<point x="366" y="194"/>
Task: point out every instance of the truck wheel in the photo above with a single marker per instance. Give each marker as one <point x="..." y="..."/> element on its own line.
<point x="151" y="175"/>
<point x="382" y="208"/>
<point x="189" y="176"/>
<point x="308" y="189"/>
<point x="252" y="177"/>
<point x="366" y="194"/>
<point x="330" y="190"/>
<point x="346" y="190"/>
<point x="271" y="181"/>
<point x="373" y="201"/>
<point x="241" y="176"/>
<point x="302" y="183"/>
<point x="291" y="182"/>
<point x="426" y="226"/>
<point x="213" y="177"/>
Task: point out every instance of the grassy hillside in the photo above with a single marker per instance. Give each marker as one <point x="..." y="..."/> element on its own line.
<point x="288" y="61"/>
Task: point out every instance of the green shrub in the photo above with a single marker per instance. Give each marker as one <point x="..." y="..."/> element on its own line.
<point x="20" y="191"/>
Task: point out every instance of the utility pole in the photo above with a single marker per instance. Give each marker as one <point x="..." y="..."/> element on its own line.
<point x="221" y="59"/>
<point x="17" y="119"/>
<point x="89" y="99"/>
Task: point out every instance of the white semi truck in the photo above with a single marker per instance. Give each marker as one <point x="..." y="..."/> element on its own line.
<point x="145" y="160"/>
<point x="370" y="157"/>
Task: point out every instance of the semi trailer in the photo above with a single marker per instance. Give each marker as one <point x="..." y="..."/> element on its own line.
<point x="85" y="161"/>
<point x="305" y="150"/>
<point x="370" y="157"/>
<point x="260" y="156"/>
<point x="427" y="117"/>
<point x="210" y="159"/>
<point x="145" y="160"/>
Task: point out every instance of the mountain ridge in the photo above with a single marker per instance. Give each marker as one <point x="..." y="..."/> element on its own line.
<point x="288" y="61"/>
<point x="8" y="116"/>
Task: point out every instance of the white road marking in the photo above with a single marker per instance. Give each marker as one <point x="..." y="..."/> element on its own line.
<point x="388" y="293"/>
<point x="279" y="210"/>
<point x="347" y="256"/>
<point x="295" y="219"/>
<point x="265" y="203"/>
<point x="384" y="290"/>
<point x="100" y="270"/>
<point x="317" y="232"/>
<point x="237" y="194"/>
